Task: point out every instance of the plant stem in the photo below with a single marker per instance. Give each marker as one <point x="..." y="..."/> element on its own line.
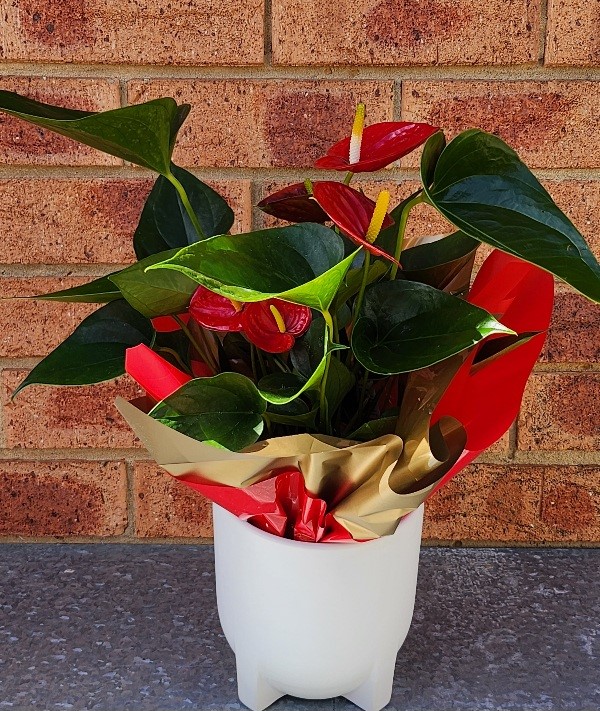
<point x="202" y="352"/>
<point x="323" y="409"/>
<point x="363" y="286"/>
<point x="401" y="230"/>
<point x="186" y="203"/>
<point x="177" y="357"/>
<point x="348" y="178"/>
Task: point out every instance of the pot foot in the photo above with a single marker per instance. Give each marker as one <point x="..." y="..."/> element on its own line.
<point x="376" y="691"/>
<point x="254" y="692"/>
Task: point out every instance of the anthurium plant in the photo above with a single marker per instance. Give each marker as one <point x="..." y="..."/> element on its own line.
<point x="328" y="324"/>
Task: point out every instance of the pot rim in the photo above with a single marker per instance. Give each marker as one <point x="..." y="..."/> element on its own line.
<point x="327" y="545"/>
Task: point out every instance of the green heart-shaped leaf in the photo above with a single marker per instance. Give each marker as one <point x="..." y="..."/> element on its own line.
<point x="483" y="188"/>
<point x="95" y="351"/>
<point x="143" y="134"/>
<point x="444" y="263"/>
<point x="303" y="264"/>
<point x="98" y="291"/>
<point x="404" y="326"/>
<point x="155" y="293"/>
<point x="165" y="223"/>
<point x="295" y="413"/>
<point x="226" y="409"/>
<point x="340" y="381"/>
<point x="308" y="356"/>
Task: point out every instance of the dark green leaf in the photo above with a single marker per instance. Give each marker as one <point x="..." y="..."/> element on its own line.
<point x="154" y="293"/>
<point x="405" y="326"/>
<point x="438" y="251"/>
<point x="143" y="134"/>
<point x="483" y="188"/>
<point x="308" y="356"/>
<point x="226" y="409"/>
<point x="340" y="381"/>
<point x="95" y="351"/>
<point x="165" y="224"/>
<point x="444" y="263"/>
<point x="295" y="413"/>
<point x="99" y="291"/>
<point x="303" y="264"/>
<point x="430" y="156"/>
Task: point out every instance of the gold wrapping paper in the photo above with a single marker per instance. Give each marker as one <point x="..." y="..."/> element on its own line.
<point x="368" y="486"/>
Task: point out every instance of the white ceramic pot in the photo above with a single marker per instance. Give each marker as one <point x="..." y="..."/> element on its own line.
<point x="315" y="620"/>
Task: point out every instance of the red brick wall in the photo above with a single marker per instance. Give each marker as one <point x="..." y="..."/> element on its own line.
<point x="272" y="84"/>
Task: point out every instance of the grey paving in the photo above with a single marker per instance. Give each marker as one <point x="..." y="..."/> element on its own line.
<point x="113" y="627"/>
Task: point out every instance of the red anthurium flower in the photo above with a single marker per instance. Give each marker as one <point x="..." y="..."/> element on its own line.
<point x="293" y="204"/>
<point x="156" y="375"/>
<point x="273" y="325"/>
<point x="376" y="146"/>
<point x="354" y="213"/>
<point x="215" y="312"/>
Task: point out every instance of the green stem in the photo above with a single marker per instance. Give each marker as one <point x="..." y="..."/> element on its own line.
<point x="401" y="230"/>
<point x="177" y="357"/>
<point x="186" y="203"/>
<point x="348" y="178"/>
<point x="363" y="286"/>
<point x="323" y="409"/>
<point x="253" y="362"/>
<point x="359" y="410"/>
<point x="202" y="352"/>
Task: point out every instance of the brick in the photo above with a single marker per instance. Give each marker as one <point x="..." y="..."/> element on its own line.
<point x="24" y="144"/>
<point x="181" y="32"/>
<point x="62" y="498"/>
<point x="69" y="221"/>
<point x="43" y="417"/>
<point x="560" y="412"/>
<point x="405" y="32"/>
<point x="34" y="328"/>
<point x="574" y="332"/>
<point x="572" y="33"/>
<point x="571" y="504"/>
<point x="553" y="124"/>
<point x="166" y="508"/>
<point x="487" y="503"/>
<point x="259" y="124"/>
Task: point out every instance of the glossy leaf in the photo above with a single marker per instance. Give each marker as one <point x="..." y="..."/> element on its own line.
<point x="308" y="358"/>
<point x="445" y="263"/>
<point x="98" y="291"/>
<point x="155" y="293"/>
<point x="165" y="224"/>
<point x="340" y="381"/>
<point x="405" y="326"/>
<point x="303" y="264"/>
<point x="226" y="409"/>
<point x="143" y="134"/>
<point x="483" y="188"/>
<point x="95" y="351"/>
<point x="295" y="413"/>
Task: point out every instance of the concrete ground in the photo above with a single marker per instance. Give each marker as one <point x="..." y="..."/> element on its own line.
<point x="113" y="627"/>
